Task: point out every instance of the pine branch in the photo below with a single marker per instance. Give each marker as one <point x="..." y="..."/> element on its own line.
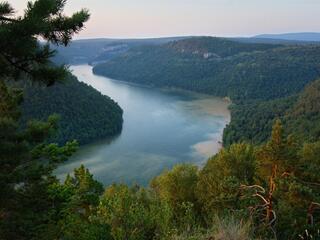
<point x="6" y="19"/>
<point x="5" y="9"/>
<point x="14" y="64"/>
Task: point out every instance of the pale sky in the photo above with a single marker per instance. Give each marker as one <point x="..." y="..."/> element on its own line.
<point x="159" y="18"/>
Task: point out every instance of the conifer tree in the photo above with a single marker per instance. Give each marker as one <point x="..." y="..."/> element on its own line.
<point x="22" y="53"/>
<point x="26" y="160"/>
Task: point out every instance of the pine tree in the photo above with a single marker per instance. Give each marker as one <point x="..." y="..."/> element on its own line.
<point x="26" y="160"/>
<point x="22" y="53"/>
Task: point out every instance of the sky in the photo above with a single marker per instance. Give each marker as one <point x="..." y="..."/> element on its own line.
<point x="162" y="18"/>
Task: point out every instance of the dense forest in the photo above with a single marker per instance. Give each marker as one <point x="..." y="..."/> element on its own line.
<point x="252" y="122"/>
<point x="102" y="49"/>
<point x="246" y="191"/>
<point x="219" y="67"/>
<point x="85" y="114"/>
<point x="262" y="80"/>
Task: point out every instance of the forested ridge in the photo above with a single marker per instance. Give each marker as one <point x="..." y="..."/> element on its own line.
<point x="261" y="79"/>
<point x="300" y="113"/>
<point x="101" y="49"/>
<point x="85" y="114"/>
<point x="220" y="67"/>
<point x="246" y="191"/>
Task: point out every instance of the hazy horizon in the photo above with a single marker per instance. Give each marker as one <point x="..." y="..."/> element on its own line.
<point x="171" y="18"/>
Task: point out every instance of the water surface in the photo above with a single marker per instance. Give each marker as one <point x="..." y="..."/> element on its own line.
<point x="161" y="128"/>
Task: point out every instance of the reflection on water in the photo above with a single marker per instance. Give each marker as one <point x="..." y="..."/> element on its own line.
<point x="161" y="128"/>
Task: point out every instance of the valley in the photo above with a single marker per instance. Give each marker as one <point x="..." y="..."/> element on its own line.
<point x="183" y="137"/>
<point x="161" y="129"/>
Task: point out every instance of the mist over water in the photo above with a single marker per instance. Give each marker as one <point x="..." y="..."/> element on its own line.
<point x="161" y="128"/>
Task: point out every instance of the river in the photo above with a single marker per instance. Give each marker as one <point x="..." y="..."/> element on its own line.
<point x="161" y="128"/>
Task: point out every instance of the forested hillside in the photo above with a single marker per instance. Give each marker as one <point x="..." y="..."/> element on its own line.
<point x="302" y="36"/>
<point x="85" y="114"/>
<point x="219" y="67"/>
<point x="212" y="47"/>
<point x="304" y="117"/>
<point x="252" y="122"/>
<point x="102" y="49"/>
<point x="262" y="80"/>
<point x="246" y="191"/>
<point x="216" y="66"/>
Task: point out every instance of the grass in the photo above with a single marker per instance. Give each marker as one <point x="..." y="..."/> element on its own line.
<point x="222" y="229"/>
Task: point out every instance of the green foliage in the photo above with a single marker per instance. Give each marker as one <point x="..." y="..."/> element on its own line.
<point x="85" y="114"/>
<point x="220" y="67"/>
<point x="28" y="207"/>
<point x="300" y="114"/>
<point x="263" y="80"/>
<point x="26" y="171"/>
<point x="303" y="118"/>
<point x="75" y="228"/>
<point x="21" y="52"/>
<point x="310" y="161"/>
<point x="86" y="189"/>
<point x="220" y="180"/>
<point x="243" y="181"/>
<point x="279" y="151"/>
<point x="86" y="51"/>
<point x="75" y="205"/>
<point x="216" y="47"/>
<point x="172" y="185"/>
<point x="133" y="213"/>
<point x="177" y="188"/>
<point x="274" y="186"/>
<point x="252" y="122"/>
<point x="288" y="197"/>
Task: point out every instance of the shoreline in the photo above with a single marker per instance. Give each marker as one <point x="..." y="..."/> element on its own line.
<point x="199" y="120"/>
<point x="202" y="100"/>
<point x="164" y="89"/>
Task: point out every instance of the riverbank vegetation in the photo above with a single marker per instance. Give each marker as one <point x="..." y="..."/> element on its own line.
<point x="219" y="67"/>
<point x="85" y="114"/>
<point x="263" y="80"/>
<point x="246" y="191"/>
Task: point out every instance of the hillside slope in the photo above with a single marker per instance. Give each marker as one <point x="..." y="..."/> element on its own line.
<point x="264" y="81"/>
<point x="299" y="113"/>
<point x="101" y="49"/>
<point x="86" y="115"/>
<point x="304" y="117"/>
<point x="219" y="67"/>
<point x="303" y="36"/>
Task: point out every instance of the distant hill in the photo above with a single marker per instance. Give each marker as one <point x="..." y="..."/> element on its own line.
<point x="214" y="47"/>
<point x="95" y="51"/>
<point x="264" y="81"/>
<point x="303" y="36"/>
<point x="98" y="50"/>
<point x="219" y="67"/>
<point x="272" y="41"/>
